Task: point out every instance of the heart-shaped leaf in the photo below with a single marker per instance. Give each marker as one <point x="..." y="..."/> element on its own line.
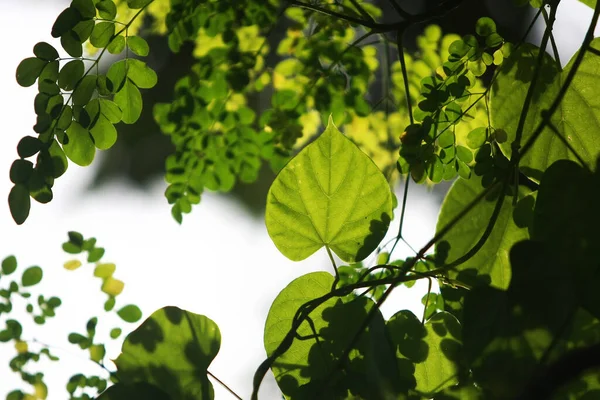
<point x="331" y="194"/>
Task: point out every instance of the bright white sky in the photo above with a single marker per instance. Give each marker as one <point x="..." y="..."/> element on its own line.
<point x="220" y="262"/>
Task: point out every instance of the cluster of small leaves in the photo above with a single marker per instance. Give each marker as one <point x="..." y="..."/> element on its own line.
<point x="435" y="148"/>
<point x="13" y="331"/>
<point x="213" y="129"/>
<point x="76" y="106"/>
<point x="111" y="286"/>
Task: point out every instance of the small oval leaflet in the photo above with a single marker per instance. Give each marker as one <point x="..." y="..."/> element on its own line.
<point x="331" y="194"/>
<point x="32" y="276"/>
<point x="130" y="313"/>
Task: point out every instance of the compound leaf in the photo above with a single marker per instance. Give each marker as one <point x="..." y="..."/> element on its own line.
<point x="331" y="194"/>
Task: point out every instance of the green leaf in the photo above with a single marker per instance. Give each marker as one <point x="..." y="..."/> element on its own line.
<point x="589" y="3"/>
<point x="577" y="118"/>
<point x="84" y="90"/>
<point x="107" y="9"/>
<point x="135" y="4"/>
<point x="490" y="264"/>
<point x="70" y="74"/>
<point x="29" y="146"/>
<point x="65" y="22"/>
<point x="176" y="342"/>
<point x="138" y="45"/>
<point x="59" y="159"/>
<point x="428" y="356"/>
<point x="20" y="171"/>
<point x="32" y="276"/>
<point x="104" y="133"/>
<point x="117" y="74"/>
<point x="29" y="70"/>
<point x="83" y="30"/>
<point x="102" y="33"/>
<point x="85" y="7"/>
<point x="130" y="313"/>
<point x="129" y="100"/>
<point x="19" y="203"/>
<point x="9" y="265"/>
<point x="317" y="346"/>
<point x="142" y="75"/>
<point x="115" y="333"/>
<point x="485" y="26"/>
<point x="318" y="199"/>
<point x="477" y="137"/>
<point x="71" y="42"/>
<point x="104" y="270"/>
<point x="45" y="51"/>
<point x="138" y="390"/>
<point x="80" y="148"/>
<point x="110" y="110"/>
<point x="116" y="45"/>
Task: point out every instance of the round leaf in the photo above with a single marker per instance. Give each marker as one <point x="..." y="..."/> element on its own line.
<point x="45" y="51"/>
<point x="9" y="265"/>
<point x="129" y="100"/>
<point x="331" y="194"/>
<point x="176" y="342"/>
<point x="29" y="70"/>
<point x="71" y="42"/>
<point x="332" y="327"/>
<point x="138" y="45"/>
<point x="65" y="22"/>
<point x="102" y="33"/>
<point x="32" y="276"/>
<point x="70" y="74"/>
<point x="142" y="75"/>
<point x="107" y="9"/>
<point x="80" y="148"/>
<point x="130" y="313"/>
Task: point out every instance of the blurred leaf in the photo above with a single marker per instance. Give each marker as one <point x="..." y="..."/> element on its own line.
<point x="9" y="265"/>
<point x="130" y="313"/>
<point x="32" y="276"/>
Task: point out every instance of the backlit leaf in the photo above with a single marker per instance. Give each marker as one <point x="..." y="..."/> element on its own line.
<point x="130" y="313"/>
<point x="577" y="118"/>
<point x="180" y="344"/>
<point x="102" y="33"/>
<point x="490" y="264"/>
<point x="129" y="100"/>
<point x="320" y="199"/>
<point x="317" y="346"/>
<point x="141" y="74"/>
<point x="80" y="148"/>
<point x="107" y="9"/>
<point x="138" y="45"/>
